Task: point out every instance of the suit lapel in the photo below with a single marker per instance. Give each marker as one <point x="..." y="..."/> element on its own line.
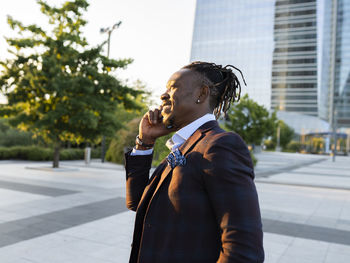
<point x="152" y="185"/>
<point x="186" y="147"/>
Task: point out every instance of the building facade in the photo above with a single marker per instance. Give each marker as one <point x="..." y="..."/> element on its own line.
<point x="294" y="66"/>
<point x="240" y="33"/>
<point x="293" y="55"/>
<point x="335" y="81"/>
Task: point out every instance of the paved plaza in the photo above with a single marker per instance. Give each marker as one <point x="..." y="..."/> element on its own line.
<point x="77" y="214"/>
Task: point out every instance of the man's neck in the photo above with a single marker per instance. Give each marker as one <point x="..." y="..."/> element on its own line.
<point x="193" y="118"/>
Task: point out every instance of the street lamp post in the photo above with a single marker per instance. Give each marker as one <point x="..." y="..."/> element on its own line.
<point x="108" y="30"/>
<point x="334" y="135"/>
<point x="333" y="120"/>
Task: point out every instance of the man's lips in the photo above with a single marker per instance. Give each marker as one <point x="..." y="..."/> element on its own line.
<point x="166" y="103"/>
<point x="166" y="107"/>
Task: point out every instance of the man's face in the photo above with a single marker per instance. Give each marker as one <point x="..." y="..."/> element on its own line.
<point x="179" y="100"/>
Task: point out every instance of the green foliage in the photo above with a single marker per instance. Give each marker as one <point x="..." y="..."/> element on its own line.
<point x="160" y="150"/>
<point x="270" y="145"/>
<point x="125" y="139"/>
<point x="316" y="145"/>
<point x="254" y="160"/>
<point x="32" y="153"/>
<point x="286" y="134"/>
<point x="35" y="153"/>
<point x="294" y="147"/>
<point x="141" y="100"/>
<point x="342" y="146"/>
<point x="13" y="137"/>
<point x="251" y="121"/>
<point x="58" y="87"/>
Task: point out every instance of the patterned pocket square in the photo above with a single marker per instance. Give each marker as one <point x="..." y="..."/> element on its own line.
<point x="176" y="158"/>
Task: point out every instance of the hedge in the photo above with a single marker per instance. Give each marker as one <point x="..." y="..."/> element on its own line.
<point x="293" y="147"/>
<point x="36" y="153"/>
<point x="270" y="145"/>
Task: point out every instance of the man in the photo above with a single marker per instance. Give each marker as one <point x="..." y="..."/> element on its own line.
<point x="199" y="205"/>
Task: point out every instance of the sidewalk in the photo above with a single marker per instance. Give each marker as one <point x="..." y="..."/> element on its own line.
<point x="78" y="214"/>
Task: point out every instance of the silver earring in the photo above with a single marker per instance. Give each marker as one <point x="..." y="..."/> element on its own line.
<point x="198" y="101"/>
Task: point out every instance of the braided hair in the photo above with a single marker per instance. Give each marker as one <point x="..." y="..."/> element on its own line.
<point x="223" y="84"/>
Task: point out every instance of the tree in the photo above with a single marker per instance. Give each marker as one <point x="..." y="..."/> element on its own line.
<point x="125" y="138"/>
<point x="251" y="121"/>
<point x="58" y="87"/>
<point x="286" y="134"/>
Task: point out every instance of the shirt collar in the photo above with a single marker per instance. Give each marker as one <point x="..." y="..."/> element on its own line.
<point x="184" y="133"/>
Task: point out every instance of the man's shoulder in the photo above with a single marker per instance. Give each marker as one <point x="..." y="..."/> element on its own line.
<point x="220" y="136"/>
<point x="223" y="147"/>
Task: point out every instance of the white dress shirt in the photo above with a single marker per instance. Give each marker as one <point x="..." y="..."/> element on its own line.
<point x="181" y="135"/>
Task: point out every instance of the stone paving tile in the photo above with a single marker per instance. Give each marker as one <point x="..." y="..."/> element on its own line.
<point x="285" y="206"/>
<point x="35" y="189"/>
<point x="328" y="182"/>
<point x="11" y="198"/>
<point x="330" y="235"/>
<point x="47" y="205"/>
<point x="336" y="258"/>
<point x="70" y="246"/>
<point x="317" y="173"/>
<point x="44" y="224"/>
<point x="48" y="181"/>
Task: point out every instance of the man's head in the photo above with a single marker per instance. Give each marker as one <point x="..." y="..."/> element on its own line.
<point x="197" y="89"/>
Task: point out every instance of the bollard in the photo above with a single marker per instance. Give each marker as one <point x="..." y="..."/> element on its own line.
<point x="87" y="155"/>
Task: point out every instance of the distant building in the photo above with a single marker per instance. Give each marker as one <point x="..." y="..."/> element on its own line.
<point x="237" y="32"/>
<point x="335" y="82"/>
<point x="284" y="53"/>
<point x="294" y="66"/>
<point x="303" y="124"/>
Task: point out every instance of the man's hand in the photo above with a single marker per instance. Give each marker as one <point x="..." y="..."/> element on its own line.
<point x="151" y="127"/>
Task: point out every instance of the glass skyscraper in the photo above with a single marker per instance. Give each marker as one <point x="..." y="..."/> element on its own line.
<point x="294" y="66"/>
<point x="294" y="57"/>
<point x="240" y="33"/>
<point x="335" y="81"/>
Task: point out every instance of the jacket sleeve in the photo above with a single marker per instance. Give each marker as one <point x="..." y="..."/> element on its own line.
<point x="137" y="176"/>
<point x="228" y="179"/>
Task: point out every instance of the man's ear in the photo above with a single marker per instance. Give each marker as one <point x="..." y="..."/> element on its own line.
<point x="204" y="93"/>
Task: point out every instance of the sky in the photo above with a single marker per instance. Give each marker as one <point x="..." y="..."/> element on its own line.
<point x="157" y="34"/>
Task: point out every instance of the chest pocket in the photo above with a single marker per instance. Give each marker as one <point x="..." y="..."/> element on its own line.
<point x="185" y="189"/>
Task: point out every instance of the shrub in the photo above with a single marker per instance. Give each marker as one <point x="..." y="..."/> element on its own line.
<point x="124" y="138"/>
<point x="293" y="146"/>
<point x="160" y="150"/>
<point x="96" y="152"/>
<point x="37" y="153"/>
<point x="270" y="145"/>
<point x="10" y="136"/>
<point x="254" y="160"/>
<point x="32" y="153"/>
<point x="286" y="134"/>
<point x="72" y="154"/>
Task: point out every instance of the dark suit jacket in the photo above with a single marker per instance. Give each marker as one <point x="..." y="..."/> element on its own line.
<point x="206" y="211"/>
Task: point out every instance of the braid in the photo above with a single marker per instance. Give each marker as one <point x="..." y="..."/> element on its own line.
<point x="224" y="85"/>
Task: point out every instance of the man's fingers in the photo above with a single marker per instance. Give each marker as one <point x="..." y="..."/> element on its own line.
<point x="156" y="116"/>
<point x="153" y="116"/>
<point x="150" y="116"/>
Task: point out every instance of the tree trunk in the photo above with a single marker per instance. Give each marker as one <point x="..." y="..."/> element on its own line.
<point x="56" y="156"/>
